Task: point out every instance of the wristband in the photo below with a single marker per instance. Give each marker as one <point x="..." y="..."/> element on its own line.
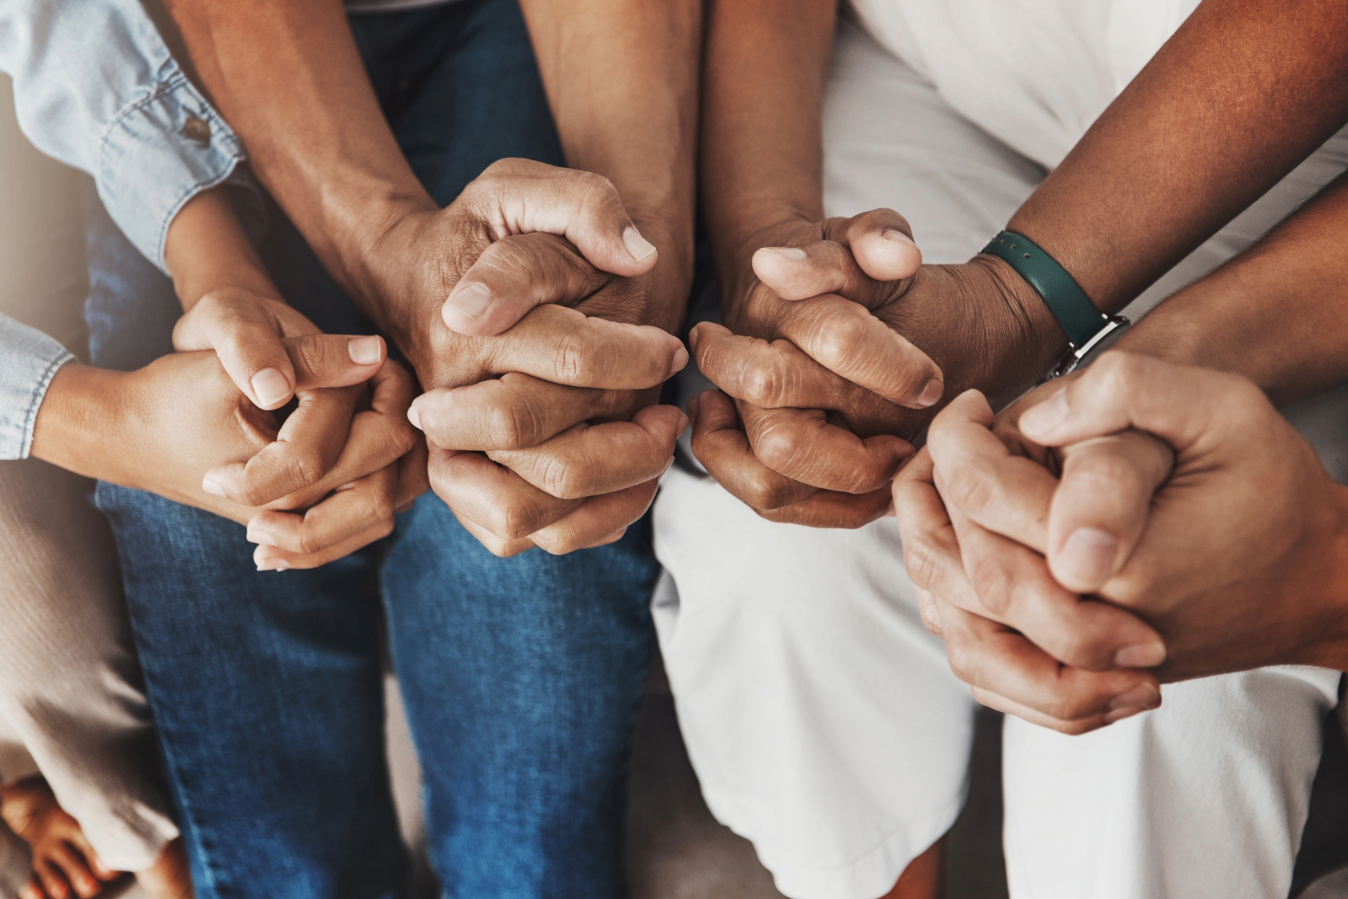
<point x="1085" y="325"/>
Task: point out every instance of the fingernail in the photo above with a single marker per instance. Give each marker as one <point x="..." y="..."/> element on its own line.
<point x="680" y="361"/>
<point x="683" y="424"/>
<point x="364" y="350"/>
<point x="273" y="565"/>
<point x="1143" y="696"/>
<point x="1087" y="556"/>
<point x="637" y="245"/>
<point x="470" y="301"/>
<point x="931" y="394"/>
<point x="692" y="339"/>
<point x="259" y="536"/>
<point x="413" y="417"/>
<point x="795" y="254"/>
<point x="270" y="386"/>
<point x="895" y="234"/>
<point x="1044" y="418"/>
<point x="1143" y="655"/>
<point x="212" y="486"/>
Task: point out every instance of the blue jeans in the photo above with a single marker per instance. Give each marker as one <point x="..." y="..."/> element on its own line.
<point x="521" y="677"/>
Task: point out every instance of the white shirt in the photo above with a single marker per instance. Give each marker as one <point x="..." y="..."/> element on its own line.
<point x="1052" y="64"/>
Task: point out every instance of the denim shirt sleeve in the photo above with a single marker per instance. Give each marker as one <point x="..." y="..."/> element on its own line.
<point x="96" y="88"/>
<point x="29" y="360"/>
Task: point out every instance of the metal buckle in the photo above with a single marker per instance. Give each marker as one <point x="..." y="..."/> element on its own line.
<point x="1075" y="355"/>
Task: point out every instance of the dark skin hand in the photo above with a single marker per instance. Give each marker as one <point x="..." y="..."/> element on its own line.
<point x="622" y="81"/>
<point x="1215" y="119"/>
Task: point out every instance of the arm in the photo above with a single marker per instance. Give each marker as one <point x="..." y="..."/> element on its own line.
<point x="1225" y="109"/>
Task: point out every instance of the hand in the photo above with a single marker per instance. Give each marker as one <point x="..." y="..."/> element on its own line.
<point x="825" y="381"/>
<point x="1025" y="644"/>
<point x="1227" y="589"/>
<point x="159" y="428"/>
<point x="544" y="435"/>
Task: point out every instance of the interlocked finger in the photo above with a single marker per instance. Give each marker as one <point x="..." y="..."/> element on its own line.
<point x="848" y="340"/>
<point x="600" y="521"/>
<point x="358" y="508"/>
<point x="513" y="412"/>
<point x="801" y="444"/>
<point x="770" y="375"/>
<point x="591" y="460"/>
<point x="493" y="496"/>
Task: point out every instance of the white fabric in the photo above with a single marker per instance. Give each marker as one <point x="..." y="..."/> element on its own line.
<point x="821" y="719"/>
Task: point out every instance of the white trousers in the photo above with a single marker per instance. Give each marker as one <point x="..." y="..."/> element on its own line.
<point x="823" y="720"/>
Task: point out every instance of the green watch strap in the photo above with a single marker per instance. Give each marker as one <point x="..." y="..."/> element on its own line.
<point x="1061" y="293"/>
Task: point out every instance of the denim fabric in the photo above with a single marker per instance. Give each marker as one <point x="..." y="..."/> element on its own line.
<point x="521" y="677"/>
<point x="96" y="88"/>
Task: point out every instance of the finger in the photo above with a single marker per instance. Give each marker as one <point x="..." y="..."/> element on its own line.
<point x="857" y="260"/>
<point x="329" y="360"/>
<point x="76" y="871"/>
<point x="1101" y="506"/>
<point x="248" y="343"/>
<point x="802" y="445"/>
<point x="600" y="521"/>
<point x="605" y="458"/>
<point x="567" y="346"/>
<point x="492" y="496"/>
<point x="931" y="551"/>
<point x="998" y="662"/>
<point x="512" y="412"/>
<point x="827" y="509"/>
<point x="362" y="507"/>
<point x="497" y="545"/>
<point x="769" y="375"/>
<point x="519" y="196"/>
<point x="723" y="449"/>
<point x="1014" y="587"/>
<point x="847" y="339"/>
<point x="33" y="889"/>
<point x="1005" y="493"/>
<point x="53" y="882"/>
<point x="301" y="456"/>
<point x="1182" y="405"/>
<point x="375" y="439"/>
<point x="512" y="276"/>
<point x="413" y="479"/>
<point x="268" y="558"/>
<point x="100" y="870"/>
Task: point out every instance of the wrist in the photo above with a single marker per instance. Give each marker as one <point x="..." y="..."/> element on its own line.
<point x="80" y="421"/>
<point x="207" y="249"/>
<point x="1029" y="340"/>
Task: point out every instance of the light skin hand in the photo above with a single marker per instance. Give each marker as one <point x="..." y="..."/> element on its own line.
<point x="232" y="307"/>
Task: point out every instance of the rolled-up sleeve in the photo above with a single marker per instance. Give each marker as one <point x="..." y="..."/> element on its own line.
<point x="29" y="360"/>
<point x="96" y="87"/>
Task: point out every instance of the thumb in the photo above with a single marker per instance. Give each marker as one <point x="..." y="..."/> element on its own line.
<point x="331" y="360"/>
<point x="249" y="347"/>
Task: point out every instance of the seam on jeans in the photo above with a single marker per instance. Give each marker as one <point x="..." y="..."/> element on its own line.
<point x="39" y="394"/>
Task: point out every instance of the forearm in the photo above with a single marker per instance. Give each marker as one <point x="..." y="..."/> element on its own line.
<point x="622" y="81"/>
<point x="762" y="146"/>
<point x="1243" y="92"/>
<point x="1275" y="314"/>
<point x="288" y="76"/>
<point x="207" y="249"/>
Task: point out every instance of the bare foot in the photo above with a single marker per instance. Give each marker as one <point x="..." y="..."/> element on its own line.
<point x="169" y="877"/>
<point x="64" y="864"/>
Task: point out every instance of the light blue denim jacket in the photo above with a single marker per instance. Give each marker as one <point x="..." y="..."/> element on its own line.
<point x="96" y="88"/>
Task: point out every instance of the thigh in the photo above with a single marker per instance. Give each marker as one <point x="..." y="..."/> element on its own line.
<point x="522" y="679"/>
<point x="1204" y="797"/>
<point x="70" y="686"/>
<point x="821" y="717"/>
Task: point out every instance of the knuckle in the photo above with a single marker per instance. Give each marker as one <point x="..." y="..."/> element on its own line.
<point x="510" y="426"/>
<point x="992" y="583"/>
<point x="968" y="489"/>
<point x="762" y="494"/>
<point x="762" y="385"/>
<point x="509" y="521"/>
<point x="838" y="342"/>
<point x="562" y="480"/>
<point x="924" y="563"/>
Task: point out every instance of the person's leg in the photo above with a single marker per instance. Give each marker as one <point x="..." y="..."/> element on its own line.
<point x="1204" y="797"/>
<point x="266" y="687"/>
<point x="1207" y="796"/>
<point x="521" y="677"/>
<point x="821" y="717"/>
<point x="70" y="686"/>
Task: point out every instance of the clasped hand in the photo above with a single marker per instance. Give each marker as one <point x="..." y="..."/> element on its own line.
<point x="1139" y="523"/>
<point x="838" y="346"/>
